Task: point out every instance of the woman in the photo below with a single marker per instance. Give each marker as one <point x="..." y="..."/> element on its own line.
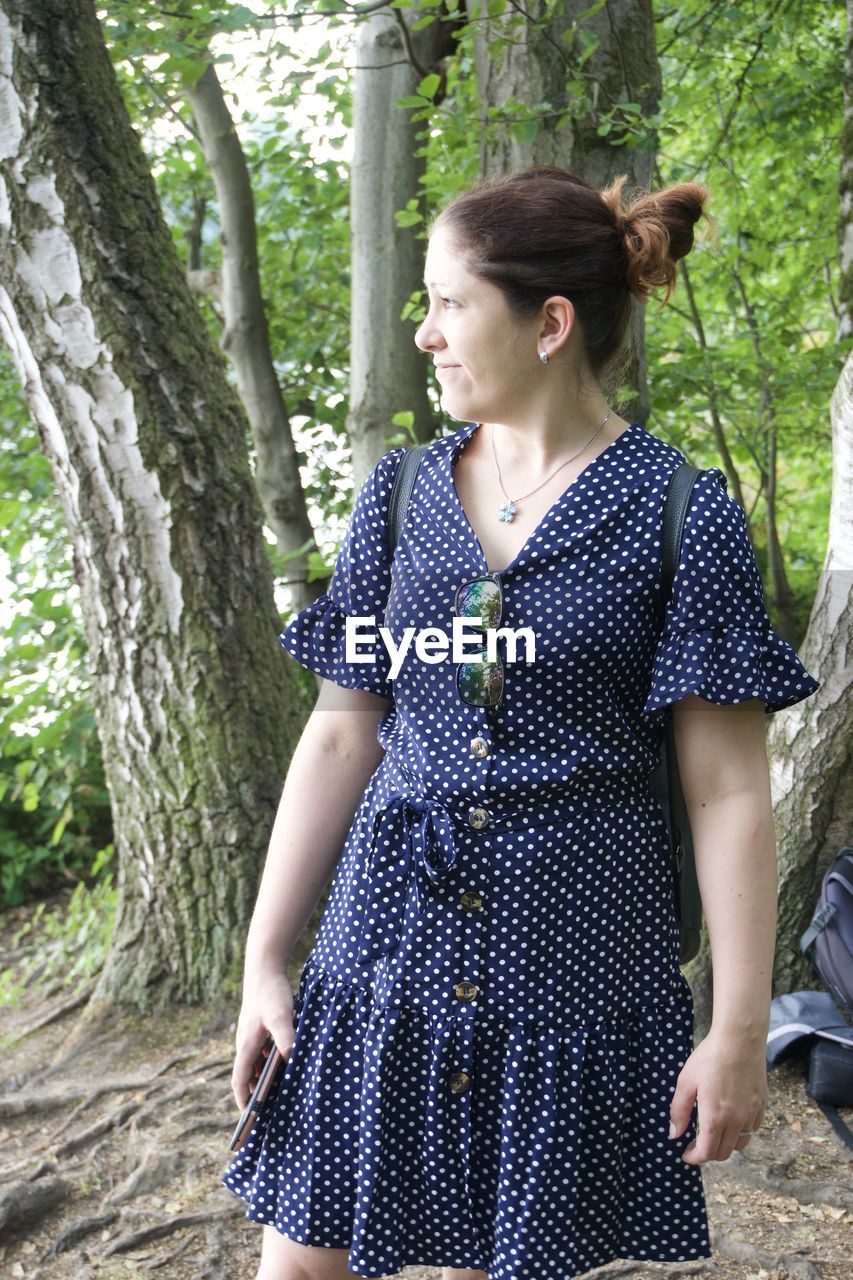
<point x="492" y="1068"/>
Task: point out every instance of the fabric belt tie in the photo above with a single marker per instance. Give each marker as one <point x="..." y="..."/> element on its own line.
<point x="429" y="841"/>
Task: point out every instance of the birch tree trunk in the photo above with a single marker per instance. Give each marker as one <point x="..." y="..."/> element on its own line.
<point x="246" y="336"/>
<point x="812" y="745"/>
<point x="147" y="445"/>
<point x="537" y="66"/>
<point x="388" y="373"/>
<point x="844" y="330"/>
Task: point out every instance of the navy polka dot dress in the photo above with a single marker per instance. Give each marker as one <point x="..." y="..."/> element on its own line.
<point x="492" y="1019"/>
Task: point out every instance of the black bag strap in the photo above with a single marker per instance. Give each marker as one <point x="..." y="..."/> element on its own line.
<point x="675" y="506"/>
<point x="401" y="492"/>
<point x="843" y="1130"/>
<point x="666" y="779"/>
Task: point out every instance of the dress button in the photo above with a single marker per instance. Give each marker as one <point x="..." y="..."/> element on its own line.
<point x="471" y="901"/>
<point x="478" y="818"/>
<point x="479" y="747"/>
<point x="466" y="991"/>
<point x="459" y="1081"/>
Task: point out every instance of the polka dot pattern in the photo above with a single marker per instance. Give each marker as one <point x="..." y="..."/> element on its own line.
<point x="491" y="1022"/>
<point x="717" y="640"/>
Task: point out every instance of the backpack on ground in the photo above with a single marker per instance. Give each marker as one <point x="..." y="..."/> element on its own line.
<point x="818" y="1020"/>
<point x="828" y="941"/>
<point x="808" y="1026"/>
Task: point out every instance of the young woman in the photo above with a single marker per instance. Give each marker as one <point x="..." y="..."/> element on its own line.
<point x="492" y="1067"/>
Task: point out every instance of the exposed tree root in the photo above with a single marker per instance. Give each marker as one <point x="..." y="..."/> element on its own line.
<point x="790" y="1264"/>
<point x="158" y="1230"/>
<point x="151" y="1084"/>
<point x="163" y="1259"/>
<point x="636" y="1270"/>
<point x="54" y="1015"/>
<point x="86" y="1136"/>
<point x="25" y="1204"/>
<point x="772" y="1177"/>
<point x="13" y="1106"/>
<point x="156" y="1169"/>
<point x="76" y="1231"/>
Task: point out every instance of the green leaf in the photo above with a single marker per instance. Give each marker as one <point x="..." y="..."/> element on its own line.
<point x="428" y="86"/>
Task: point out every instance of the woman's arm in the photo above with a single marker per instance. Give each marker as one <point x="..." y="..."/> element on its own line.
<point x="334" y="759"/>
<point x="725" y="776"/>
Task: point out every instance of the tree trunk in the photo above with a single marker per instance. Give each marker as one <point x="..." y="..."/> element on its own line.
<point x="538" y="67"/>
<point x="388" y="374"/>
<point x="811" y="744"/>
<point x="246" y="337"/>
<point x="844" y="330"/>
<point x="147" y="443"/>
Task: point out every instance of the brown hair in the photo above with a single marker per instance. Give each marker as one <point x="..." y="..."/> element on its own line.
<point x="545" y="231"/>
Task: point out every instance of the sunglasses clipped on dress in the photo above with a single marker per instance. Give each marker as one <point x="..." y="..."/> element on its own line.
<point x="480" y="682"/>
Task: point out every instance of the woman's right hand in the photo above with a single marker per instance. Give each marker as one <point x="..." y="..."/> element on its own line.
<point x="267" y="1010"/>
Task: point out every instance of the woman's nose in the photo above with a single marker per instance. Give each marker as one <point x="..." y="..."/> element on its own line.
<point x="427" y="336"/>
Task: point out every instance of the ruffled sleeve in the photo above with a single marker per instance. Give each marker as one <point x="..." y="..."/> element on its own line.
<point x="717" y="640"/>
<point x="359" y="588"/>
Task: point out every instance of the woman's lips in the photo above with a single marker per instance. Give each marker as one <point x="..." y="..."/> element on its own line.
<point x="444" y="368"/>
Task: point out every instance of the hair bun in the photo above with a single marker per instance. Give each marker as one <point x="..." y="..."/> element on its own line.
<point x="657" y="230"/>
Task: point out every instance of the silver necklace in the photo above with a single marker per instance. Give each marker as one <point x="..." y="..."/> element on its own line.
<point x="507" y="512"/>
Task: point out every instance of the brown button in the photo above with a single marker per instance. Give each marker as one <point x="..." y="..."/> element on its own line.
<point x="478" y="818"/>
<point x="479" y="747"/>
<point x="466" y="991"/>
<point x="460" y="1081"/>
<point x="471" y="901"/>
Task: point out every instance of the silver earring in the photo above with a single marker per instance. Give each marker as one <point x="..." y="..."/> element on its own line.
<point x="543" y="356"/>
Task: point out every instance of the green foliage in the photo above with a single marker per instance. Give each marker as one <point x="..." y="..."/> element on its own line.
<point x="68" y="944"/>
<point x="53" y="801"/>
<point x="751" y="107"/>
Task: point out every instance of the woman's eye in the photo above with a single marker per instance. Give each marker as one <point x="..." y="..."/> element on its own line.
<point x="449" y="300"/>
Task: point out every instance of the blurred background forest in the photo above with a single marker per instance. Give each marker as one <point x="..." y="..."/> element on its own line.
<point x="320" y="139"/>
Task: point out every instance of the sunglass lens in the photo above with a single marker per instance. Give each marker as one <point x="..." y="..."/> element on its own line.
<point x="480" y="684"/>
<point x="480" y="599"/>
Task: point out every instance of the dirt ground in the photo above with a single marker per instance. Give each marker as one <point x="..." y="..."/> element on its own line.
<point x="112" y="1157"/>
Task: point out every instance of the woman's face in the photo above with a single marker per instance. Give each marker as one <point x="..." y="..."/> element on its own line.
<point x="486" y="359"/>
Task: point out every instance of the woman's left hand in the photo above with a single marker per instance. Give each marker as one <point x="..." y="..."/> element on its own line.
<point x="728" y="1079"/>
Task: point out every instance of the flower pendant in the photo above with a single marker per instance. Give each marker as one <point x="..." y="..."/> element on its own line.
<point x="507" y="512"/>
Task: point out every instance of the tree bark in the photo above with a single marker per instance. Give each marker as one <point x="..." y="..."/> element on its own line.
<point x="246" y="337"/>
<point x="844" y="329"/>
<point x="147" y="443"/>
<point x="388" y="374"/>
<point x="811" y="744"/>
<point x="537" y="66"/>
